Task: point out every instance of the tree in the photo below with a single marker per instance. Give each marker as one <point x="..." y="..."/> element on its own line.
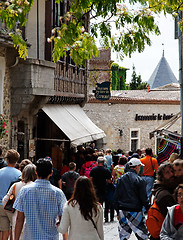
<point x="122" y="77"/>
<point x="136" y="81"/>
<point x="133" y="26"/>
<point x="118" y="78"/>
<point x="114" y="68"/>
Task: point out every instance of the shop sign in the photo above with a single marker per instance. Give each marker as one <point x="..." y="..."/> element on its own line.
<point x="102" y="91"/>
<point x="153" y="117"/>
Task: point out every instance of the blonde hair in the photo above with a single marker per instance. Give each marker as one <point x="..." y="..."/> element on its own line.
<point x="173" y="157"/>
<point x="108" y="150"/>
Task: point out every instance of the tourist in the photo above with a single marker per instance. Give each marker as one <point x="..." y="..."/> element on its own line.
<point x="129" y="198"/>
<point x="149" y="170"/>
<point x="173" y="157"/>
<point x="7" y="175"/>
<point x="108" y="158"/>
<point x="178" y="168"/>
<point x="100" y="175"/>
<point x="83" y="215"/>
<point x="87" y="166"/>
<point x="163" y="191"/>
<point x="172" y="227"/>
<point x="68" y="180"/>
<point x="119" y="169"/>
<point x="40" y="204"/>
<point x="28" y="176"/>
<point x="55" y="178"/>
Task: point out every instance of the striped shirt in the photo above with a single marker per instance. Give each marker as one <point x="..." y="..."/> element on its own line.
<point x="41" y="204"/>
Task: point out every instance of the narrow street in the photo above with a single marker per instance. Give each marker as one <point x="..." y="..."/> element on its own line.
<point x="111" y="231"/>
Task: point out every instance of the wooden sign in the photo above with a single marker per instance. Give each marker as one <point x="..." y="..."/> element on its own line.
<point x="102" y="91"/>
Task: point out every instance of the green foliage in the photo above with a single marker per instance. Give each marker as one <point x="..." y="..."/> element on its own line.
<point x="133" y="27"/>
<point x="122" y="77"/>
<point x="114" y="68"/>
<point x="118" y="77"/>
<point x="13" y="14"/>
<point x="136" y="81"/>
<point x="20" y="44"/>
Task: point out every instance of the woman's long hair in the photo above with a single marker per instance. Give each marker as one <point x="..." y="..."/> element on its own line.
<point x="84" y="194"/>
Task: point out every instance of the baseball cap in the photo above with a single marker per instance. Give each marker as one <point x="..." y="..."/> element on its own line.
<point x="101" y="159"/>
<point x="135" y="162"/>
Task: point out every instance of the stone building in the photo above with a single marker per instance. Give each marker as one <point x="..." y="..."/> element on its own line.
<point x="43" y="99"/>
<point x="129" y="116"/>
<point x="99" y="68"/>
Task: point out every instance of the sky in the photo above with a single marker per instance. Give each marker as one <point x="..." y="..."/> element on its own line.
<point x="146" y="62"/>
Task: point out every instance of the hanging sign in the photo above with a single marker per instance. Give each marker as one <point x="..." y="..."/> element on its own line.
<point x="102" y="91"/>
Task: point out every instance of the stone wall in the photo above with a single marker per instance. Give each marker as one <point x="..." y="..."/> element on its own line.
<point x="114" y="117"/>
<point x="102" y="63"/>
<point x="31" y="78"/>
<point x="6" y="141"/>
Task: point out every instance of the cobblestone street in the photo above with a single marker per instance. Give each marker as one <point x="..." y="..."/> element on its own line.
<point x="111" y="231"/>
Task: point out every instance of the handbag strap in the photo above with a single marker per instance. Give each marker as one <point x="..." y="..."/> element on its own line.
<point x="13" y="192"/>
<point x="94" y="224"/>
<point x="152" y="165"/>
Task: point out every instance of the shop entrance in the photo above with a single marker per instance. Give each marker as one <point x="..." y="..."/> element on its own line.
<point x="51" y="141"/>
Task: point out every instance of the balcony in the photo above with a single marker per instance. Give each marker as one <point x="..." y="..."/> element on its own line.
<point x="69" y="80"/>
<point x="36" y="82"/>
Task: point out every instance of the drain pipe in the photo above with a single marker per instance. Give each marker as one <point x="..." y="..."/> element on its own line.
<point x="37" y="29"/>
<point x="181" y="83"/>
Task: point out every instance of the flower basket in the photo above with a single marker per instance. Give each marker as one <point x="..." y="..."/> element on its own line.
<point x="3" y="126"/>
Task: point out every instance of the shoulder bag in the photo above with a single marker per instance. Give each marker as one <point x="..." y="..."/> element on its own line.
<point x="9" y="205"/>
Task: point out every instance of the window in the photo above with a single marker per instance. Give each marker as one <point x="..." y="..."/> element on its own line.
<point x="134" y="139"/>
<point x="58" y="11"/>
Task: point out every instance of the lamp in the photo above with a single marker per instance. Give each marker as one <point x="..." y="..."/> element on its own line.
<point x="120" y="132"/>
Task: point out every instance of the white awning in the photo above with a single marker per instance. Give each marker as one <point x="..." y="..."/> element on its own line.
<point x="76" y="125"/>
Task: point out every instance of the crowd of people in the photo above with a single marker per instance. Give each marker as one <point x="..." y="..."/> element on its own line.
<point x="71" y="201"/>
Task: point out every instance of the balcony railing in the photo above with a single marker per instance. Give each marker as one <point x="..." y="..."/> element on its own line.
<point x="69" y="79"/>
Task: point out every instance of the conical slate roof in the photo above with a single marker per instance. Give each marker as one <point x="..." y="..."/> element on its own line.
<point x="162" y="75"/>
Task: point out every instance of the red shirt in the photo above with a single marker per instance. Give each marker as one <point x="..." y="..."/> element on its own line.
<point x="178" y="217"/>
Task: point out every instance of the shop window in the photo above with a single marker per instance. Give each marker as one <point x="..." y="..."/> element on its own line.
<point x="134" y="139"/>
